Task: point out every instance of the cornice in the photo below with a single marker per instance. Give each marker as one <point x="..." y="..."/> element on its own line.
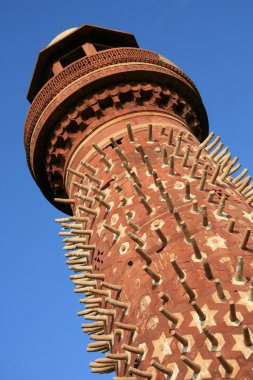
<point x="85" y="66"/>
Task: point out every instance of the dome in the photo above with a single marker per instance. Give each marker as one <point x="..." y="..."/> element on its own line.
<point x="167" y="60"/>
<point x="62" y="35"/>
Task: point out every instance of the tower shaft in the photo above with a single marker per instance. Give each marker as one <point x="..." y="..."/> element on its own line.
<point x="158" y="236"/>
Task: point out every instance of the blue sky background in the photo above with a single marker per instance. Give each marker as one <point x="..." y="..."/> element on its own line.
<point x="211" y="40"/>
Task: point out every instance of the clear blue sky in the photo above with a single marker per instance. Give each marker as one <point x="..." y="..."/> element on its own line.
<point x="211" y="40"/>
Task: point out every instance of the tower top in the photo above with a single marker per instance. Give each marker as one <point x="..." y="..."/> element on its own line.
<point x="85" y="78"/>
<point x="67" y="48"/>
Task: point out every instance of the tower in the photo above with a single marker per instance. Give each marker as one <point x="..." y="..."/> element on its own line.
<point x="158" y="232"/>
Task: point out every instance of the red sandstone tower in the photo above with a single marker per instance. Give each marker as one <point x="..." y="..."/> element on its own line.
<point x="158" y="233"/>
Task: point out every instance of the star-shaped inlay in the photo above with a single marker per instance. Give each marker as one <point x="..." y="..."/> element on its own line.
<point x="175" y="370"/>
<point x="215" y="242"/>
<point x="248" y="215"/>
<point x="130" y="200"/>
<point x="209" y="321"/>
<point x="235" y="366"/>
<point x="196" y="322"/>
<point x="241" y="347"/>
<point x="204" y="373"/>
<point x="153" y="187"/>
<point x="161" y="347"/>
<point x="180" y="318"/>
<point x="244" y="300"/>
<point x="221" y="343"/>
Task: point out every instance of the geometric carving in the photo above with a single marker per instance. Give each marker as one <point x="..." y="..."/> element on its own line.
<point x="75" y="123"/>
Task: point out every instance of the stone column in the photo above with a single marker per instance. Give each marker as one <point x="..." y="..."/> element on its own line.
<point x="158" y="232"/>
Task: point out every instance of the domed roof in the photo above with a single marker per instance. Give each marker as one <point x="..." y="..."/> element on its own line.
<point x="168" y="61"/>
<point x="62" y="35"/>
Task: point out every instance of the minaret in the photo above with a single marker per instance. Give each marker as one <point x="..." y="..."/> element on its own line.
<point x="158" y="232"/>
